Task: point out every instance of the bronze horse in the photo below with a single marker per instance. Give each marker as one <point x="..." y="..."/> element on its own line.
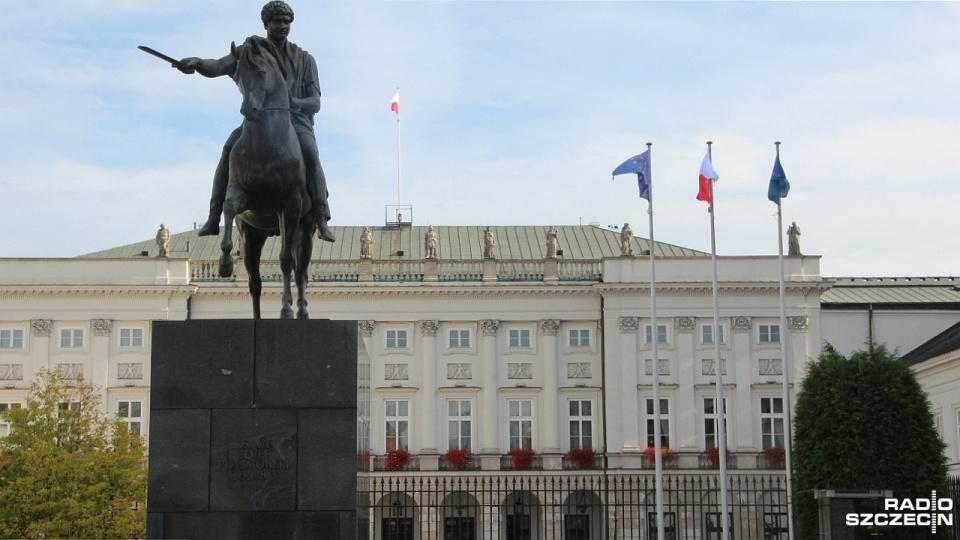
<point x="267" y="193"/>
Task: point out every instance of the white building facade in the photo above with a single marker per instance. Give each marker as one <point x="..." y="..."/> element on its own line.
<point x="486" y="355"/>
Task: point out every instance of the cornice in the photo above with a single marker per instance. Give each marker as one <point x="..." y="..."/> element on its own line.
<point x="703" y="289"/>
<point x="98" y="291"/>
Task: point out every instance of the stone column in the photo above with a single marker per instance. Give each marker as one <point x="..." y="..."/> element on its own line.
<point x="429" y="361"/>
<point x="40" y="330"/>
<point x="686" y="339"/>
<point x="489" y="419"/>
<point x="100" y="349"/>
<point x="741" y="402"/>
<point x="550" y="419"/>
<point x="624" y="407"/>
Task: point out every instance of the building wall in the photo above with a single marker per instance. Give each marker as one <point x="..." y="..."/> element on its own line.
<point x="940" y="379"/>
<point x="901" y="330"/>
<point x="574" y="352"/>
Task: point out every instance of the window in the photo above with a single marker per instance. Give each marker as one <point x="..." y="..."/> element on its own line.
<point x="519" y="338"/>
<point x="459" y="339"/>
<point x="769" y="333"/>
<point x="520" y="423"/>
<point x="771" y="421"/>
<point x="664" y="422"/>
<point x="71" y="338"/>
<point x="459" y="423"/>
<point x="396" y="339"/>
<point x="579" y="337"/>
<point x="711" y="438"/>
<point x="707" y="334"/>
<point x="397" y="429"/>
<point x="71" y="406"/>
<point x="661" y="334"/>
<point x="131" y="337"/>
<point x="4" y="425"/>
<point x="581" y="423"/>
<point x="11" y="339"/>
<point x="131" y="412"/>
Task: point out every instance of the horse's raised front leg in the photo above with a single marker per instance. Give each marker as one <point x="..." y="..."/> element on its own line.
<point x="232" y="205"/>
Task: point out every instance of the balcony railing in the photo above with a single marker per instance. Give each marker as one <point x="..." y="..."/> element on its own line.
<point x="507" y="464"/>
<point x="397" y="271"/>
<point x="706" y="461"/>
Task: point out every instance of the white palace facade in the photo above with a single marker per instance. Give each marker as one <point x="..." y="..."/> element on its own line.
<point x="487" y="354"/>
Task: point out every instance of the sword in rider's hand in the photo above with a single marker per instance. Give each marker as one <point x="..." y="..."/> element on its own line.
<point x="175" y="63"/>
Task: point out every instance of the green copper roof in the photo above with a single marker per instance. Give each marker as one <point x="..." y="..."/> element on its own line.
<point x="928" y="291"/>
<point x="577" y="242"/>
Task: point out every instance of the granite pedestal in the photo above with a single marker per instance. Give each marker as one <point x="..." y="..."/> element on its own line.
<point x="253" y="430"/>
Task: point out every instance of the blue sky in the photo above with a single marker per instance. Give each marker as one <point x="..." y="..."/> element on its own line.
<point x="514" y="113"/>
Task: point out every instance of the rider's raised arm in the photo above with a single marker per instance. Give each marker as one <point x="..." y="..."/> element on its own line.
<point x="209" y="67"/>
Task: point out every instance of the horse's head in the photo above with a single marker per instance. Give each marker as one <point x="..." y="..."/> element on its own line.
<point x="256" y="75"/>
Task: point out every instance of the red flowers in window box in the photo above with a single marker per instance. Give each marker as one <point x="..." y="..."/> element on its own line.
<point x="776" y="456"/>
<point x="397" y="459"/>
<point x="650" y="453"/>
<point x="713" y="453"/>
<point x="522" y="458"/>
<point x="582" y="458"/>
<point x="458" y="458"/>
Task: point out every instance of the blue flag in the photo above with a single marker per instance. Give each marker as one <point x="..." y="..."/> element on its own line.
<point x="779" y="187"/>
<point x="639" y="164"/>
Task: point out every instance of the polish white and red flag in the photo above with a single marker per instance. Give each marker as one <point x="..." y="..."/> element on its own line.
<point x="707" y="177"/>
<point x="395" y="103"/>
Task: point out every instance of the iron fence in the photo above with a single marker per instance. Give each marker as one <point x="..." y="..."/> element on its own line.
<point x="532" y="506"/>
<point x="954" y="482"/>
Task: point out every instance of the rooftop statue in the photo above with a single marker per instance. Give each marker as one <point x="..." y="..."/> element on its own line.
<point x="793" y="236"/>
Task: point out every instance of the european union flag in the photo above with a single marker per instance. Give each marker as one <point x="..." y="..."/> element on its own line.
<point x="779" y="187"/>
<point x="639" y="164"/>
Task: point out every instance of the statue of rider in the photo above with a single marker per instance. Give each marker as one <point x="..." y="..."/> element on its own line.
<point x="300" y="73"/>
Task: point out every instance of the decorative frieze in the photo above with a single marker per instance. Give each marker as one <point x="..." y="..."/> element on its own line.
<point x="41" y="327"/>
<point x="519" y="370"/>
<point x="101" y="327"/>
<point x="365" y="327"/>
<point x="798" y="324"/>
<point x="70" y="372"/>
<point x="130" y="370"/>
<point x="663" y="363"/>
<point x="550" y="327"/>
<point x="429" y="328"/>
<point x="489" y="327"/>
<point x="395" y="372"/>
<point x="11" y="372"/>
<point x="709" y="367"/>
<point x="579" y="370"/>
<point x="459" y="371"/>
<point x="741" y="323"/>
<point x="771" y="366"/>
<point x="629" y="324"/>
<point x="684" y="324"/>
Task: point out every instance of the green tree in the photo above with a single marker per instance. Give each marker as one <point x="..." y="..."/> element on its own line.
<point x="68" y="470"/>
<point x="864" y="423"/>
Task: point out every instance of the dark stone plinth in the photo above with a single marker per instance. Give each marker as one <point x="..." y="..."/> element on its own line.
<point x="253" y="430"/>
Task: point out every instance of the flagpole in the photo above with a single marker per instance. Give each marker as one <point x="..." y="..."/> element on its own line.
<point x="784" y="352"/>
<point x="718" y="367"/>
<point x="657" y="444"/>
<point x="399" y="168"/>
